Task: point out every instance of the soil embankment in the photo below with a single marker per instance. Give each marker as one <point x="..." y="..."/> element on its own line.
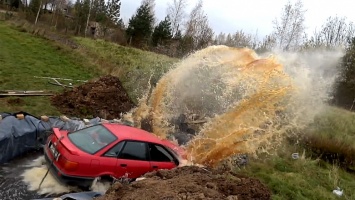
<point x="190" y="182"/>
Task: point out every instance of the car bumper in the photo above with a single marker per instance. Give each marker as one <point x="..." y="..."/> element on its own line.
<point x="84" y="182"/>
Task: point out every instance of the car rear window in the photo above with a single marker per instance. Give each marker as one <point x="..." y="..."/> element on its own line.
<point x="92" y="139"/>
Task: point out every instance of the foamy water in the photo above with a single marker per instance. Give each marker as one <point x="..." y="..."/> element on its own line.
<point x="34" y="175"/>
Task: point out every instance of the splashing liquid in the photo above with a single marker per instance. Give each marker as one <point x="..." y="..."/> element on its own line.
<point x="248" y="102"/>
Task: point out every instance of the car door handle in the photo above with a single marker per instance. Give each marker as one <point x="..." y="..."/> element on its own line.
<point x="155" y="167"/>
<point x="123" y="165"/>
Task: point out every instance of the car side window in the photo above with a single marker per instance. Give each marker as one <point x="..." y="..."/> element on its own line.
<point x="159" y="154"/>
<point x="115" y="150"/>
<point x="134" y="151"/>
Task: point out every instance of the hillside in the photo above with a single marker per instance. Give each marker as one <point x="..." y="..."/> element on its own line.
<point x="23" y="56"/>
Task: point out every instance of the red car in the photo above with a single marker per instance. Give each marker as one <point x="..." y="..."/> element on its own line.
<point x="106" y="151"/>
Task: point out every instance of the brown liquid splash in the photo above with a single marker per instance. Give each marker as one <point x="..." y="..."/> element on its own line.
<point x="242" y="97"/>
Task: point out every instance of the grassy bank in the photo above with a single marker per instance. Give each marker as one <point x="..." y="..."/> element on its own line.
<point x="304" y="178"/>
<point x="134" y="67"/>
<point x="23" y="56"/>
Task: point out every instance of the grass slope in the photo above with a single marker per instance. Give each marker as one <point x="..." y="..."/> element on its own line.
<point x="304" y="178"/>
<point x="23" y="56"/>
<point x="134" y="67"/>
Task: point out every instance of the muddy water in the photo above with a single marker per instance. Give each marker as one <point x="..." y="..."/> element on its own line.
<point x="249" y="102"/>
<point x="12" y="186"/>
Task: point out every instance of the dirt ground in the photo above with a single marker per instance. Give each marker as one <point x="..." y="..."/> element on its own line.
<point x="105" y="98"/>
<point x="190" y="182"/>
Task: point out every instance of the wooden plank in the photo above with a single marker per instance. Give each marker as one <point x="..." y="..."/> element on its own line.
<point x="19" y="94"/>
<point x="4" y="93"/>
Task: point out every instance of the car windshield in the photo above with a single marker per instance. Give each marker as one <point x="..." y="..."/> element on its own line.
<point x="92" y="139"/>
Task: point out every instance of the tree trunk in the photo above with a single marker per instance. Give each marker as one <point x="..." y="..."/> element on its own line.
<point x="87" y="20"/>
<point x="39" y="10"/>
<point x="56" y="10"/>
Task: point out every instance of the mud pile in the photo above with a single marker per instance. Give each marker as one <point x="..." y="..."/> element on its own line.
<point x="189" y="182"/>
<point x="105" y="98"/>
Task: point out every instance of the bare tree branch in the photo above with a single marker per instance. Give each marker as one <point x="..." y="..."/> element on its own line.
<point x="176" y="12"/>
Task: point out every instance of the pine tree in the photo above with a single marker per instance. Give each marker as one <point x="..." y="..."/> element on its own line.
<point x="140" y="25"/>
<point x="162" y="32"/>
<point x="99" y="11"/>
<point x="114" y="13"/>
<point x="81" y="12"/>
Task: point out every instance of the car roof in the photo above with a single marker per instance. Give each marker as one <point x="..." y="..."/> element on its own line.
<point x="132" y="133"/>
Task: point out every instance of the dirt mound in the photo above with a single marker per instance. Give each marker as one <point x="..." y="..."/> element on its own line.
<point x="190" y="182"/>
<point x="105" y="98"/>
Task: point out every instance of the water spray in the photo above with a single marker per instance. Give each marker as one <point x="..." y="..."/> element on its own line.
<point x="249" y="102"/>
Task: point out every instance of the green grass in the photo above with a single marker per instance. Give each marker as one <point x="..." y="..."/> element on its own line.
<point x="134" y="67"/>
<point x="301" y="179"/>
<point x="23" y="56"/>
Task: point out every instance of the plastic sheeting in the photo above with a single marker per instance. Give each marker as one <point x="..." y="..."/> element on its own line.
<point x="18" y="136"/>
<point x="77" y="196"/>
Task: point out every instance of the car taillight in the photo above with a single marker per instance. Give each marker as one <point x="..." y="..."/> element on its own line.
<point x="67" y="164"/>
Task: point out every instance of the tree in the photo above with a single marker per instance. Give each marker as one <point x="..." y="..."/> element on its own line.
<point x="162" y="32"/>
<point x="266" y="44"/>
<point x="220" y="39"/>
<point x="198" y="31"/>
<point x="114" y="13"/>
<point x="140" y="25"/>
<point x="290" y="27"/>
<point x="238" y="39"/>
<point x="81" y="11"/>
<point x="100" y="11"/>
<point x="344" y="94"/>
<point x="34" y="5"/>
<point x="176" y="12"/>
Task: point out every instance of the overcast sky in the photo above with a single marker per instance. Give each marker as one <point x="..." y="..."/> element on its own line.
<point x="252" y="15"/>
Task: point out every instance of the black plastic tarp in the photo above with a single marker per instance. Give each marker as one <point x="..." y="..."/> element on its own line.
<point x="18" y="136"/>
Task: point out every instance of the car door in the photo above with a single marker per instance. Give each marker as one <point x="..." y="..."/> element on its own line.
<point x="109" y="161"/>
<point x="160" y="158"/>
<point x="133" y="159"/>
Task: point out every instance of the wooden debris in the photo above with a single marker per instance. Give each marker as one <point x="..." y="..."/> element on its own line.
<point x="64" y="118"/>
<point x="56" y="81"/>
<point x="20" y="116"/>
<point x="86" y="121"/>
<point x="4" y="93"/>
<point x="45" y="118"/>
